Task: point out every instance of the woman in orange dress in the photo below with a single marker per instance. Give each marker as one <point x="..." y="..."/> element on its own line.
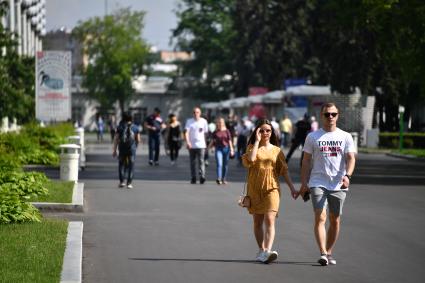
<point x="265" y="162"/>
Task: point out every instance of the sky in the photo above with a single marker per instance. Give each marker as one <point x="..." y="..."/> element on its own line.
<point x="159" y="20"/>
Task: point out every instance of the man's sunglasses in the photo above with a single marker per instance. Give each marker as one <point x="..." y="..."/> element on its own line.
<point x="265" y="131"/>
<point x="327" y="114"/>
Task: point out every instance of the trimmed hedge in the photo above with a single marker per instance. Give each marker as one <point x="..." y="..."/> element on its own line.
<point x="410" y="140"/>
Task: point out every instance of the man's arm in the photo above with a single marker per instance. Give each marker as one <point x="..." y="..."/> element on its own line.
<point x="305" y="172"/>
<point x="186" y="137"/>
<point x="350" y="162"/>
<point x="115" y="145"/>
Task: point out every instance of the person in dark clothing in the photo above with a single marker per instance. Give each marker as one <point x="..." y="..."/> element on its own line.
<point x="303" y="127"/>
<point x="154" y="124"/>
<point x="126" y="139"/>
<point x="174" y="139"/>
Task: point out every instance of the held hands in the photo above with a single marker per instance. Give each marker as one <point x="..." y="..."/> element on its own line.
<point x="294" y="193"/>
<point x="114" y="153"/>
<point x="304" y="189"/>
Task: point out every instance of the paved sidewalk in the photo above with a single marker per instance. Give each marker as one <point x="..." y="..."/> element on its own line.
<point x="167" y="230"/>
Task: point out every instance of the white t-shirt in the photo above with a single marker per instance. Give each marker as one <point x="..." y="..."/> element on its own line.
<point x="196" y="131"/>
<point x="328" y="151"/>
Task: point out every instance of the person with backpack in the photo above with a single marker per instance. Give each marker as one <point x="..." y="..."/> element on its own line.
<point x="126" y="140"/>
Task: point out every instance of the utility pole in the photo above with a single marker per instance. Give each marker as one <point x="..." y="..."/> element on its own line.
<point x="106" y="8"/>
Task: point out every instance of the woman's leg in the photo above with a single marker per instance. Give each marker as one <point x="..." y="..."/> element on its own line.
<point x="219" y="161"/>
<point x="258" y="230"/>
<point x="226" y="153"/>
<point x="172" y="150"/>
<point x="269" y="221"/>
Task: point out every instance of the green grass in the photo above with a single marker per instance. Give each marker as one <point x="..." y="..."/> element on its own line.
<point x="414" y="152"/>
<point x="32" y="252"/>
<point x="59" y="191"/>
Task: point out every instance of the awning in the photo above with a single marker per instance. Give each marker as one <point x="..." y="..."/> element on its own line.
<point x="309" y="90"/>
<point x="274" y="97"/>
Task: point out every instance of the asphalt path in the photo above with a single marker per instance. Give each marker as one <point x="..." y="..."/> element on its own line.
<point x="167" y="230"/>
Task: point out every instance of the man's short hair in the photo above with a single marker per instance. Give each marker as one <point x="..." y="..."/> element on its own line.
<point x="156" y="109"/>
<point x="327" y="105"/>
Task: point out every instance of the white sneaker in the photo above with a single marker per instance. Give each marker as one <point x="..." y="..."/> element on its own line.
<point x="259" y="256"/>
<point x="129" y="186"/>
<point x="121" y="185"/>
<point x="331" y="260"/>
<point x="323" y="260"/>
<point x="269" y="256"/>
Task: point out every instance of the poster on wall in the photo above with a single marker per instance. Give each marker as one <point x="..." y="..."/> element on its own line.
<point x="53" y="86"/>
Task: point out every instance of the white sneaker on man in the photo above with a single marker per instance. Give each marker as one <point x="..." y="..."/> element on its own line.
<point x="323" y="260"/>
<point x="129" y="186"/>
<point x="331" y="260"/>
<point x="121" y="185"/>
<point x="259" y="256"/>
<point x="269" y="256"/>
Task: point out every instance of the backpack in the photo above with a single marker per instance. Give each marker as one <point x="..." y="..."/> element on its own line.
<point x="127" y="139"/>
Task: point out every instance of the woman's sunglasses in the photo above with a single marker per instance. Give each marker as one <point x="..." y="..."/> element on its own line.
<point x="327" y="114"/>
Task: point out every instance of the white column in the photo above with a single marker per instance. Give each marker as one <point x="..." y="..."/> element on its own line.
<point x="19" y="25"/>
<point x="12" y="16"/>
<point x="24" y="34"/>
<point x="29" y="36"/>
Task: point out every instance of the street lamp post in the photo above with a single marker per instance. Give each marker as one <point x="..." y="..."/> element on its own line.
<point x="401" y="113"/>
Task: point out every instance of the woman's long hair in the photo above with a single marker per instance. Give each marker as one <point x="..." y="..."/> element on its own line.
<point x="273" y="138"/>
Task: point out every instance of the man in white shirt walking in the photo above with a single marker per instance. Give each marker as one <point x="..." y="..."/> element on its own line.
<point x="195" y="135"/>
<point x="327" y="166"/>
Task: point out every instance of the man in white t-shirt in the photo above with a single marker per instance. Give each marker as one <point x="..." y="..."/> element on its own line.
<point x="327" y="166"/>
<point x="195" y="135"/>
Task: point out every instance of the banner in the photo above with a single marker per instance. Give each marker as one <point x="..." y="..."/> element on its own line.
<point x="53" y="86"/>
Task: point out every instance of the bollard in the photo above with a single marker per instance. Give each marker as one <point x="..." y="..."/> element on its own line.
<point x="80" y="132"/>
<point x="355" y="136"/>
<point x="4" y="125"/>
<point x="69" y="162"/>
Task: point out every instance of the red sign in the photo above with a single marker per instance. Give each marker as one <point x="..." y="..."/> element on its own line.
<point x="257" y="91"/>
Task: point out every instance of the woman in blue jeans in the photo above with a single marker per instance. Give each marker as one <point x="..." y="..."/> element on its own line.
<point x="222" y="142"/>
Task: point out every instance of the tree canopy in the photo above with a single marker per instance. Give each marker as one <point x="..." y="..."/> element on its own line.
<point x="376" y="45"/>
<point x="116" y="53"/>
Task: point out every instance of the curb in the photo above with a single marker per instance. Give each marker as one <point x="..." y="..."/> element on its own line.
<point x="73" y="258"/>
<point x="77" y="204"/>
<point x="406" y="156"/>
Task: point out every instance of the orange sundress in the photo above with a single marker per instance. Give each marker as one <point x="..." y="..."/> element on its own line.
<point x="263" y="185"/>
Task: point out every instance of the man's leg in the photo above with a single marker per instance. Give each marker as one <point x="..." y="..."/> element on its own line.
<point x="156" y="143"/>
<point x="319" y="201"/>
<point x="336" y="202"/>
<point x="320" y="229"/>
<point x="121" y="169"/>
<point x="294" y="146"/>
<point x="192" y="156"/>
<point x="333" y="232"/>
<point x="151" y="147"/>
<point x="130" y="168"/>
<point x="201" y="161"/>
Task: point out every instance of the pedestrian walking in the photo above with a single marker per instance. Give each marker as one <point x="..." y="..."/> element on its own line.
<point x="243" y="130"/>
<point x="126" y="141"/>
<point x="100" y="128"/>
<point x="285" y="130"/>
<point x="265" y="162"/>
<point x="154" y="124"/>
<point x="313" y="124"/>
<point x="112" y="127"/>
<point x="196" y="129"/>
<point x="223" y="147"/>
<point x="303" y="127"/>
<point x="327" y="167"/>
<point x="174" y="139"/>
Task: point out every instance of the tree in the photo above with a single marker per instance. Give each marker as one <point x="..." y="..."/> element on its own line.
<point x="205" y="28"/>
<point x="16" y="78"/>
<point x="116" y="54"/>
